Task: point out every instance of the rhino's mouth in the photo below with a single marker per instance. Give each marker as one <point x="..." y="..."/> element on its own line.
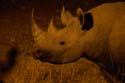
<point x="46" y="56"/>
<point x="43" y="56"/>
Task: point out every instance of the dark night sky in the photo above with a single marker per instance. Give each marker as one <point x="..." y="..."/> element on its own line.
<point x="17" y="4"/>
<point x="45" y="9"/>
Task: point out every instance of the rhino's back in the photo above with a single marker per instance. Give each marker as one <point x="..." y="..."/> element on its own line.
<point x="107" y="13"/>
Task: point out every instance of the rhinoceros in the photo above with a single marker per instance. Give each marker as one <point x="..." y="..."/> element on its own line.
<point x="98" y="34"/>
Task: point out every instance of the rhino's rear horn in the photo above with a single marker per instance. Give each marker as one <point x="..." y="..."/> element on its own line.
<point x="63" y="15"/>
<point x="51" y="27"/>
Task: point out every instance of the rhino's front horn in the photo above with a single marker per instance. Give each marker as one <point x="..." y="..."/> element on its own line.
<point x="36" y="31"/>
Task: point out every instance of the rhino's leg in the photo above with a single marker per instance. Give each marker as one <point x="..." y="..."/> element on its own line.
<point x="121" y="72"/>
<point x="109" y="77"/>
<point x="116" y="76"/>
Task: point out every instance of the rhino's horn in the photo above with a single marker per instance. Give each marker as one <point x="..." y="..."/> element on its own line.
<point x="63" y="16"/>
<point x="36" y="31"/>
<point x="51" y="27"/>
<point x="69" y="15"/>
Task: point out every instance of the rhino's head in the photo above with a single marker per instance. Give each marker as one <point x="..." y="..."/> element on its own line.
<point x="59" y="46"/>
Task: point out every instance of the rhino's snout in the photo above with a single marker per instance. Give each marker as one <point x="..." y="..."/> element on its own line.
<point x="43" y="56"/>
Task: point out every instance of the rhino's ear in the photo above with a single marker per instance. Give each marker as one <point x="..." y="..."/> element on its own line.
<point x="88" y="21"/>
<point x="80" y="14"/>
<point x="51" y="27"/>
<point x="36" y="31"/>
<point x="79" y="11"/>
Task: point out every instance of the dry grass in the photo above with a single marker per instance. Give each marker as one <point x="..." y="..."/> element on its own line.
<point x="28" y="70"/>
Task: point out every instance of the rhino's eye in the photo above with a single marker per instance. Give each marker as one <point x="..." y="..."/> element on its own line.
<point x="62" y="43"/>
